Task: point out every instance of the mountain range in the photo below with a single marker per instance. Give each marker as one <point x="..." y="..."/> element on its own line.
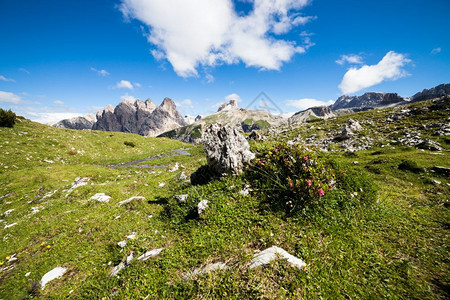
<point x="147" y="119"/>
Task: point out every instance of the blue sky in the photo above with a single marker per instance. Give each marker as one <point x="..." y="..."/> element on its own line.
<point x="65" y="58"/>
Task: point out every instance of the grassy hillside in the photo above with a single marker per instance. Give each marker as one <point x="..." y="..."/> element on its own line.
<point x="392" y="247"/>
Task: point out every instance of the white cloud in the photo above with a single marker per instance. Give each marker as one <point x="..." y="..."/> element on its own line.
<point x="186" y="103"/>
<point x="3" y="78"/>
<point x="49" y="118"/>
<point x="197" y="33"/>
<point x="24" y="70"/>
<point x="128" y="98"/>
<point x="58" y="102"/>
<point x="351" y="59"/>
<point x="9" y="97"/>
<point x="100" y="72"/>
<point x="209" y="78"/>
<point x="137" y="84"/>
<point x="436" y="50"/>
<point x="306" y="103"/>
<point x="233" y="97"/>
<point x="124" y="84"/>
<point x="389" y="68"/>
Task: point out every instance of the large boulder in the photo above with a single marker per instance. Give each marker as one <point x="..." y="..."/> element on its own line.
<point x="227" y="151"/>
<point x="350" y="129"/>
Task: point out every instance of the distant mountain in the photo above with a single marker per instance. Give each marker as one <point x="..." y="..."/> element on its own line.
<point x="80" y="123"/>
<point x="435" y="92"/>
<point x="228" y="114"/>
<point x="139" y="117"/>
<point x="318" y="112"/>
<point x="368" y="100"/>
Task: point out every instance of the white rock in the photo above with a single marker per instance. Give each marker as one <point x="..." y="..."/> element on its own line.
<point x="100" y="197"/>
<point x="48" y="161"/>
<point x="161" y="184"/>
<point x="131" y="236"/>
<point x="207" y="269"/>
<point x="27" y="274"/>
<point x="150" y="253"/>
<point x="131" y="199"/>
<point x="246" y="190"/>
<point x="182" y="176"/>
<point x="181" y="198"/>
<point x="48" y="195"/>
<point x="34" y="210"/>
<point x="117" y="269"/>
<point x="77" y="183"/>
<point x="265" y="257"/>
<point x="202" y="206"/>
<point x="10" y="225"/>
<point x="6" y="213"/>
<point x="122" y="244"/>
<point x="129" y="258"/>
<point x="53" y="274"/>
<point x="175" y="168"/>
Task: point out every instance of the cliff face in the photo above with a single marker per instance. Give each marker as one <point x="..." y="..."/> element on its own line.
<point x="139" y="117"/>
<point x="368" y="100"/>
<point x="435" y="92"/>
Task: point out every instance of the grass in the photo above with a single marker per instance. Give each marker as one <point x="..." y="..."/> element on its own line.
<point x="393" y="248"/>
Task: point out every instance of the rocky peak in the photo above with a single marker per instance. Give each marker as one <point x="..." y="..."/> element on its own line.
<point x="228" y="106"/>
<point x="368" y="100"/>
<point x="169" y="106"/>
<point x="435" y="92"/>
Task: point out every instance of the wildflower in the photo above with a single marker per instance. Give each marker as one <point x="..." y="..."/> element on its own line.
<point x="305" y="158"/>
<point x="260" y="163"/>
<point x="270" y="152"/>
<point x="48" y="246"/>
<point x="321" y="192"/>
<point x="309" y="182"/>
<point x="8" y="257"/>
<point x="1" y="263"/>
<point x="43" y="243"/>
<point x="275" y="150"/>
<point x="291" y="185"/>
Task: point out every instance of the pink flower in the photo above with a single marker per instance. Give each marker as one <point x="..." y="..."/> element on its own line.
<point x="305" y="158"/>
<point x="309" y="182"/>
<point x="275" y="150"/>
<point x="321" y="192"/>
<point x="260" y="163"/>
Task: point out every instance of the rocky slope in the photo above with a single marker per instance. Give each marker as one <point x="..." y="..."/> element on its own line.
<point x="228" y="114"/>
<point x="437" y="91"/>
<point x="322" y="112"/>
<point x="139" y="117"/>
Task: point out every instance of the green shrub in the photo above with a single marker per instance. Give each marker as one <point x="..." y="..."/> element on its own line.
<point x="129" y="144"/>
<point x="291" y="177"/>
<point x="7" y="118"/>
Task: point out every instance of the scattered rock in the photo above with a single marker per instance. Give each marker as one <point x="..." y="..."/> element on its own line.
<point x="150" y="253"/>
<point x="10" y="225"/>
<point x="100" y="197"/>
<point x="122" y="244"/>
<point x="246" y="190"/>
<point x="206" y="269"/>
<point x="175" y="168"/>
<point x="8" y="212"/>
<point x="182" y="176"/>
<point x="202" y="206"/>
<point x="265" y="257"/>
<point x="227" y="151"/>
<point x="350" y="128"/>
<point x="122" y="265"/>
<point x="35" y="210"/>
<point x="254" y="136"/>
<point x="161" y="184"/>
<point x="48" y="195"/>
<point x="181" y="198"/>
<point x="428" y="144"/>
<point x="441" y="171"/>
<point x="77" y="183"/>
<point x="131" y="199"/>
<point x="53" y="274"/>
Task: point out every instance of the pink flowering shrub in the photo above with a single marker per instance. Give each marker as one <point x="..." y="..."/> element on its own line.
<point x="291" y="176"/>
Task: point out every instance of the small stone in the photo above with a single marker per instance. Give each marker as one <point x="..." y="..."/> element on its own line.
<point x="181" y="198"/>
<point x="150" y="253"/>
<point x="131" y="199"/>
<point x="122" y="244"/>
<point x="27" y="274"/>
<point x="100" y="197"/>
<point x="175" y="168"/>
<point x="10" y="225"/>
<point x="51" y="275"/>
<point x="131" y="236"/>
<point x="8" y="212"/>
<point x="265" y="257"/>
<point x="117" y="269"/>
<point x="77" y="183"/>
<point x="202" y="205"/>
<point x="206" y="269"/>
<point x="182" y="176"/>
<point x="161" y="184"/>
